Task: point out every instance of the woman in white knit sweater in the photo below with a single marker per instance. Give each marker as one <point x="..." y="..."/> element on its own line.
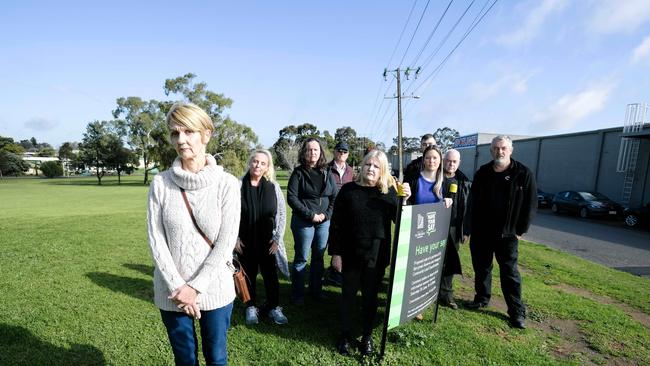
<point x="192" y="279"/>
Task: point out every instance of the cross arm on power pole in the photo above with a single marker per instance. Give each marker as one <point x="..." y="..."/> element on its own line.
<point x="397" y="72"/>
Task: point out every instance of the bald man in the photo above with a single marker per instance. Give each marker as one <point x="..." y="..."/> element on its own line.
<point x="456" y="186"/>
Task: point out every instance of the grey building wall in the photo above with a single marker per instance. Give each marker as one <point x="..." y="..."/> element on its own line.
<point x="577" y="161"/>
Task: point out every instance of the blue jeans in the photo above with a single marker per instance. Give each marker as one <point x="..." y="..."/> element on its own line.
<point x="306" y="236"/>
<point x="182" y="336"/>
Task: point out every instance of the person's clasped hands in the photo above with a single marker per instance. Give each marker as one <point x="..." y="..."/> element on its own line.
<point x="185" y="298"/>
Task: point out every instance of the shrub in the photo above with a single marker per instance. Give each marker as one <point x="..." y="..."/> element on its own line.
<point x="52" y="169"/>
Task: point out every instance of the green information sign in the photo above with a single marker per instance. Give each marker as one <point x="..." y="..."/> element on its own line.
<point x="418" y="261"/>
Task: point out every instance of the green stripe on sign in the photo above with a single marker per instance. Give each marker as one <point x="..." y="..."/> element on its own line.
<point x="401" y="262"/>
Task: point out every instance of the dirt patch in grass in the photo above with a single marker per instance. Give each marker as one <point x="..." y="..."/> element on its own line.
<point x="573" y="346"/>
<point x="569" y="342"/>
<point x="633" y="313"/>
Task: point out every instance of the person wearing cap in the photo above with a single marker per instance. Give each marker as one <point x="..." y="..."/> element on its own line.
<point x="342" y="173"/>
<point x="456" y="186"/>
<point x="413" y="169"/>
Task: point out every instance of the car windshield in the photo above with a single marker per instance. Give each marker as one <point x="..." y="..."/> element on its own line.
<point x="592" y="196"/>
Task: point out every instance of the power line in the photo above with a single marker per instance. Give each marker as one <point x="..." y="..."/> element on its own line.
<point x="377" y="106"/>
<point x="432" y="33"/>
<point x="477" y="20"/>
<point x="414" y="32"/>
<point x="444" y="40"/>
<point x="442" y="63"/>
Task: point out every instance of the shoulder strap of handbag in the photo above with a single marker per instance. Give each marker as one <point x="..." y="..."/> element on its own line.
<point x="189" y="209"/>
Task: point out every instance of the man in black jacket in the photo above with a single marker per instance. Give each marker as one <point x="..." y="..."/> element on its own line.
<point x="503" y="201"/>
<point x="456" y="186"/>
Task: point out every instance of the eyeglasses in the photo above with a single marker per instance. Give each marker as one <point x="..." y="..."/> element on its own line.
<point x="343" y="151"/>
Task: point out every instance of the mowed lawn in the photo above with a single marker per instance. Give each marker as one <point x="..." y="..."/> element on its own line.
<point x="76" y="289"/>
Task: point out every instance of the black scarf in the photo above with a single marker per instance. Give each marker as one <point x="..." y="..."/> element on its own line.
<point x="258" y="208"/>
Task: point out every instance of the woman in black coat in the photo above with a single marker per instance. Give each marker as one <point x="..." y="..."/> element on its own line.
<point x="360" y="245"/>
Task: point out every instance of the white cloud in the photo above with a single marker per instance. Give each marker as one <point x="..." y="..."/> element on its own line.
<point x="513" y="82"/>
<point x="533" y="23"/>
<point x="40" y="124"/>
<point x="642" y="51"/>
<point x="570" y="109"/>
<point x="614" y="16"/>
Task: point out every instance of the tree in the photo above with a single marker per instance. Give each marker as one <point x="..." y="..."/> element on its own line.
<point x="47" y="151"/>
<point x="66" y="155"/>
<point x="52" y="169"/>
<point x="445" y="138"/>
<point x="409" y="145"/>
<point x="26" y="144"/>
<point x="289" y="141"/>
<point x="235" y="139"/>
<point x="118" y="156"/>
<point x="94" y="148"/>
<point x="140" y="119"/>
<point x="229" y="136"/>
<point x="330" y="142"/>
<point x="11" y="164"/>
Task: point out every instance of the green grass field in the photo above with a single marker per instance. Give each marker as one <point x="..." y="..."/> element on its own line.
<point x="76" y="289"/>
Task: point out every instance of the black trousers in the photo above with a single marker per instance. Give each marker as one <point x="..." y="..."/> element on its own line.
<point x="256" y="258"/>
<point x="506" y="252"/>
<point x="446" y="285"/>
<point x="368" y="280"/>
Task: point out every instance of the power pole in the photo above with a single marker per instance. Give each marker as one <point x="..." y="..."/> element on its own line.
<point x="397" y="72"/>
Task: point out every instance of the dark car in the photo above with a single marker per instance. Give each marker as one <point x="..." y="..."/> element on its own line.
<point x="544" y="199"/>
<point x="586" y="204"/>
<point x="638" y="216"/>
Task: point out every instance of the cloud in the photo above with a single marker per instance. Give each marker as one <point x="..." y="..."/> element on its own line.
<point x="513" y="82"/>
<point x="570" y="109"/>
<point x="642" y="51"/>
<point x="614" y="16"/>
<point x="40" y="124"/>
<point x="533" y="23"/>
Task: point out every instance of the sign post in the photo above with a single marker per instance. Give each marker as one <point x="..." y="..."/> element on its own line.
<point x="416" y="263"/>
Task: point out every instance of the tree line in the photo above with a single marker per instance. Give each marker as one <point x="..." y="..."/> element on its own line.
<point x="138" y="135"/>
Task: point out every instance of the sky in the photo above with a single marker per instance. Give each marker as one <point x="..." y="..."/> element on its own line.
<point x="531" y="67"/>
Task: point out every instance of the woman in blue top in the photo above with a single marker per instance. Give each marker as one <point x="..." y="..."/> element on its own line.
<point x="427" y="187"/>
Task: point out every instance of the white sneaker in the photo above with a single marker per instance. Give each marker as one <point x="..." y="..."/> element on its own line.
<point x="251" y="315"/>
<point x="277" y="316"/>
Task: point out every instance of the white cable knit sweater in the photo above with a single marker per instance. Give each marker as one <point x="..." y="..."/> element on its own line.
<point x="179" y="252"/>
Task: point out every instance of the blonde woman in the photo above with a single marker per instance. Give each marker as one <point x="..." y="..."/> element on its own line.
<point x="261" y="230"/>
<point x="360" y="243"/>
<point x="192" y="280"/>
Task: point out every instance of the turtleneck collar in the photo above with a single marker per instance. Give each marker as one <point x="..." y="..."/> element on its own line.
<point x="193" y="181"/>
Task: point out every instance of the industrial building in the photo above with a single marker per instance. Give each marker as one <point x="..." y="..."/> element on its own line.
<point x="613" y="161"/>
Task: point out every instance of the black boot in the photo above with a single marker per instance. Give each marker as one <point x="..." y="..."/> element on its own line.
<point x="343" y="345"/>
<point x="366" y="347"/>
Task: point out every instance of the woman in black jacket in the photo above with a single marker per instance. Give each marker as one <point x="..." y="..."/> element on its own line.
<point x="360" y="245"/>
<point x="311" y="192"/>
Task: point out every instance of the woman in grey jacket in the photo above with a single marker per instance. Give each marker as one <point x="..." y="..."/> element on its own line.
<point x="311" y="192"/>
<point x="261" y="231"/>
<point x="192" y="279"/>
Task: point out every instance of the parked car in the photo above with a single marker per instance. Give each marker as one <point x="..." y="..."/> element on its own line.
<point x="586" y="204"/>
<point x="637" y="216"/>
<point x="544" y="199"/>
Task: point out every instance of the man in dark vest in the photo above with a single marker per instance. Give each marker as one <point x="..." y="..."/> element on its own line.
<point x="503" y="201"/>
<point x="412" y="170"/>
<point x="455" y="186"/>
